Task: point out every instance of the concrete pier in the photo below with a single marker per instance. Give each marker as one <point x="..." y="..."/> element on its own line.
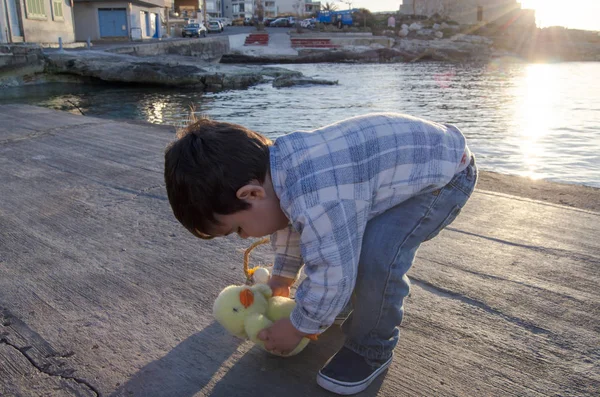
<point x="103" y="293"/>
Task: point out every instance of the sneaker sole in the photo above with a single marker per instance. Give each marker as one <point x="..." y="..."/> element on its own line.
<point x="347" y="388"/>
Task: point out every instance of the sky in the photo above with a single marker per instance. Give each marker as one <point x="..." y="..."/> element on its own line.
<point x="574" y="14"/>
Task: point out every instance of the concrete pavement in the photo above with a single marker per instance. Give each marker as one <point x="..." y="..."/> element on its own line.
<point x="103" y="293"/>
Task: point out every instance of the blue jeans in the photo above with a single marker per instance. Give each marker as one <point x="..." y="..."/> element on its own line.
<point x="389" y="246"/>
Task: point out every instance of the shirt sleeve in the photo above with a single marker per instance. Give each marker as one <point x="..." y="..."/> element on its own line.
<point x="288" y="258"/>
<point x="330" y="243"/>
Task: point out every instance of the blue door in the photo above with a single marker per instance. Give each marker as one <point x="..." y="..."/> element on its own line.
<point x="156" y="26"/>
<point x="113" y="22"/>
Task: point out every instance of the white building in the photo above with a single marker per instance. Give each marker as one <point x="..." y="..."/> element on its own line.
<point x="247" y="8"/>
<point x="311" y="6"/>
<point x="213" y="8"/>
<point x="238" y="8"/>
<point x="36" y="21"/>
<point x="119" y="19"/>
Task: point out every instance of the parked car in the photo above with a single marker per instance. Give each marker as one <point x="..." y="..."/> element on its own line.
<point x="248" y="21"/>
<point x="194" y="30"/>
<point x="215" y="27"/>
<point x="308" y="23"/>
<point x="225" y="21"/>
<point x="280" y="22"/>
<point x="221" y="25"/>
<point x="267" y="21"/>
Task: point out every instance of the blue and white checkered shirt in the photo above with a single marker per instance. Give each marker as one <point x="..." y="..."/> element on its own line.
<point x="332" y="181"/>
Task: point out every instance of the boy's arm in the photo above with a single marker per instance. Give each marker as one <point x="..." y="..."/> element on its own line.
<point x="288" y="258"/>
<point x="331" y="241"/>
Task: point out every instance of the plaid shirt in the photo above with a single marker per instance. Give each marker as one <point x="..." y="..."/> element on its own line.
<point x="332" y="181"/>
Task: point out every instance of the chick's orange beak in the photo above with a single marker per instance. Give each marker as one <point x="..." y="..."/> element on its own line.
<point x="246" y="298"/>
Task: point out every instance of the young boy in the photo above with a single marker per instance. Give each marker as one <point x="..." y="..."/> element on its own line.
<point x="351" y="201"/>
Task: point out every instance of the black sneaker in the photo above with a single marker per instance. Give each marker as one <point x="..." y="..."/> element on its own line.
<point x="348" y="372"/>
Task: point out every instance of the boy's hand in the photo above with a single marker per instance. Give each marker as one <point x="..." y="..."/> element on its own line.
<point x="281" y="337"/>
<point x="281" y="285"/>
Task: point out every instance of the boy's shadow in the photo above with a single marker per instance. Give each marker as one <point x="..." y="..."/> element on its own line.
<point x="258" y="373"/>
<point x="186" y="369"/>
<point x="190" y="366"/>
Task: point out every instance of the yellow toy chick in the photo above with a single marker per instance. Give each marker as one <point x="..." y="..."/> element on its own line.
<point x="245" y="310"/>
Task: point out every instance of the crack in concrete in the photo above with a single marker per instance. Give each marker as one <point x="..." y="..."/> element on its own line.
<point x="445" y="293"/>
<point x="43" y="368"/>
<point x="139" y="193"/>
<point x="508" y="280"/>
<point x="557" y="252"/>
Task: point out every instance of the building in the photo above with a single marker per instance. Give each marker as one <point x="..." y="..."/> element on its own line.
<point x="214" y="8"/>
<point x="188" y="8"/>
<point x="312" y="7"/>
<point x="289" y="7"/>
<point x="272" y="8"/>
<point x="119" y="19"/>
<point x="472" y="11"/>
<point x="36" y="21"/>
<point x="193" y="8"/>
<point x="238" y="8"/>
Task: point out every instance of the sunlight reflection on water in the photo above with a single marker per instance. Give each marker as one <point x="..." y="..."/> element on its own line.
<point x="535" y="120"/>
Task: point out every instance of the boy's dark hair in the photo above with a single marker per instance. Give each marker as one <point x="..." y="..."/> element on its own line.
<point x="205" y="167"/>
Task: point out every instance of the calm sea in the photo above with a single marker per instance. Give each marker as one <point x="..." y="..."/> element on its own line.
<point x="535" y="120"/>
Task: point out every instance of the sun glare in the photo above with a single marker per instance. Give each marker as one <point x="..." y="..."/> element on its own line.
<point x="534" y="116"/>
<point x="575" y="14"/>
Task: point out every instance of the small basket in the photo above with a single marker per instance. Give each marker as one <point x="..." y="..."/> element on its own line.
<point x="250" y="271"/>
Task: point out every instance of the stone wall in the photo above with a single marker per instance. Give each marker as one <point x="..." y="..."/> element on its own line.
<point x="208" y="48"/>
<point x="19" y="61"/>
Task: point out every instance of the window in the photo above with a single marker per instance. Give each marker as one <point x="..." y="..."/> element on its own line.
<point x="57" y="10"/>
<point x="35" y="9"/>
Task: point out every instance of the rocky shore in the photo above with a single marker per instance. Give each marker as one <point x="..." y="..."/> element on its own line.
<point x="208" y="63"/>
<point x="123" y="68"/>
<point x="171" y="71"/>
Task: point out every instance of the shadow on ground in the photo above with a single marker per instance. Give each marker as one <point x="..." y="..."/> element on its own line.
<point x="190" y="366"/>
<point x="186" y="369"/>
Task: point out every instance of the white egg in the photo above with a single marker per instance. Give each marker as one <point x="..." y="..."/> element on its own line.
<point x="261" y="275"/>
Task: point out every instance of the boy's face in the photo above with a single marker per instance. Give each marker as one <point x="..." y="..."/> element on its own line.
<point x="264" y="217"/>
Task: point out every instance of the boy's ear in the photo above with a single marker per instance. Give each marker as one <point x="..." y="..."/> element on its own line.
<point x="251" y="191"/>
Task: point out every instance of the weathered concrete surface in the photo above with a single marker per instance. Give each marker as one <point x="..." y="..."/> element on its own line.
<point x="103" y="293"/>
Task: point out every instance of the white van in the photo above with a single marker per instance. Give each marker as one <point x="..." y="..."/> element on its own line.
<point x="225" y="21"/>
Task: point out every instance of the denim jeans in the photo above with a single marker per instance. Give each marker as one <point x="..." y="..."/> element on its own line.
<point x="389" y="246"/>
